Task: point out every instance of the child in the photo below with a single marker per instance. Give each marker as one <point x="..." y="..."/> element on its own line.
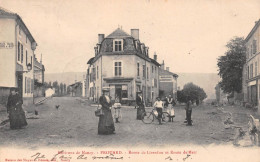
<point x="117" y="107"/>
<point x="159" y="106"/>
<point x="170" y="102"/>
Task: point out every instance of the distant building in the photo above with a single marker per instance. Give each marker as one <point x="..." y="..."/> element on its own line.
<point x="17" y="47"/>
<point x="39" y="69"/>
<point x="122" y="63"/>
<point x="167" y="82"/>
<point x="75" y="90"/>
<point x="251" y="70"/>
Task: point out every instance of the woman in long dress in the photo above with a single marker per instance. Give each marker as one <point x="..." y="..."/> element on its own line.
<point x="170" y="102"/>
<point x="14" y="109"/>
<point x="140" y="106"/>
<point x="106" y="123"/>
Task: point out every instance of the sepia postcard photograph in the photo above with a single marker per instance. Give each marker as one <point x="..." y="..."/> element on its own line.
<point x="129" y="80"/>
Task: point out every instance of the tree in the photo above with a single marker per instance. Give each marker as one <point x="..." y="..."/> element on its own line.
<point x="191" y="92"/>
<point x="231" y="66"/>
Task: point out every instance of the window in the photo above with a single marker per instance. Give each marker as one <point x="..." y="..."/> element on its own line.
<point x="251" y="70"/>
<point x="25" y="82"/>
<point x="248" y="72"/>
<point x="155" y="83"/>
<point x="152" y="69"/>
<point x="251" y="50"/>
<point x="155" y="68"/>
<point x="118" y="45"/>
<point x="147" y="73"/>
<point x="138" y="69"/>
<point x="254" y="46"/>
<point x="26" y="39"/>
<point x="124" y="91"/>
<point x="19" y="46"/>
<point x="143" y="71"/>
<point x="19" y="30"/>
<point x="255" y="68"/>
<point x="247" y="53"/>
<point x="21" y="53"/>
<point x="97" y="72"/>
<point x="26" y="57"/>
<point x="118" y="68"/>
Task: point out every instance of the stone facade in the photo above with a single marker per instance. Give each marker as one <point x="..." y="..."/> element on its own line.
<point x="122" y="63"/>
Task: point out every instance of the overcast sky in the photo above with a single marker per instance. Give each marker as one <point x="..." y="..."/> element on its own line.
<point x="67" y="30"/>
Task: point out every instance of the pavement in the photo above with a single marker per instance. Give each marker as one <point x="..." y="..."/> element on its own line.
<point x="73" y="123"/>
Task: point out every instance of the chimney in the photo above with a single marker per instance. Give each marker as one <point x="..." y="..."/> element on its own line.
<point x="100" y="38"/>
<point x="167" y="68"/>
<point x="162" y="65"/>
<point x="135" y="33"/>
<point x="155" y="56"/>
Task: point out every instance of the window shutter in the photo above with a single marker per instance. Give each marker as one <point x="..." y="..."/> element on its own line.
<point x="32" y="85"/>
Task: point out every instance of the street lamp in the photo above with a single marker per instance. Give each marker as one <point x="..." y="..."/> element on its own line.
<point x="29" y="67"/>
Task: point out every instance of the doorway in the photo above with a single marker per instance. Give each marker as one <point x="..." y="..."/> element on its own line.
<point x="20" y="84"/>
<point x="118" y="92"/>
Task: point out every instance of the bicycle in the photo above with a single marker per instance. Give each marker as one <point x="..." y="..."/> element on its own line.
<point x="148" y="118"/>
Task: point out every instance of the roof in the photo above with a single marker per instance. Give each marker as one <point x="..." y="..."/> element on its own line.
<point x="165" y="72"/>
<point x="6" y="13"/>
<point x="257" y="23"/>
<point x="90" y="61"/>
<point x="118" y="33"/>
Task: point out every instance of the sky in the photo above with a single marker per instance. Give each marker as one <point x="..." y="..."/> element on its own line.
<point x="188" y="35"/>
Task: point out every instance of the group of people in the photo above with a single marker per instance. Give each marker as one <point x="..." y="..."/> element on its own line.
<point x="106" y="122"/>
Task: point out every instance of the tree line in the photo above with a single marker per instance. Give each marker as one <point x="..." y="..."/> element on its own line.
<point x="61" y="89"/>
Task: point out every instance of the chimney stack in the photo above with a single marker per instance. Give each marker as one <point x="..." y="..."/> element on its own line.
<point x="167" y="68"/>
<point x="135" y="33"/>
<point x="100" y="38"/>
<point x="155" y="56"/>
<point x="162" y="65"/>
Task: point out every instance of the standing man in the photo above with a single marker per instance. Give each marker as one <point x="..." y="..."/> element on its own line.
<point x="188" y="113"/>
<point x="140" y="105"/>
<point x="106" y="123"/>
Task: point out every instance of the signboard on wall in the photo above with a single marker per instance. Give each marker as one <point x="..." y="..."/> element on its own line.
<point x="6" y="45"/>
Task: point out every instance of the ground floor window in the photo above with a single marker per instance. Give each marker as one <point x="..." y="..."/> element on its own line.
<point x="124" y="91"/>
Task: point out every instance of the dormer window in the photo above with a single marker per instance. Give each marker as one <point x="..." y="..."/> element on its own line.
<point x="118" y="45"/>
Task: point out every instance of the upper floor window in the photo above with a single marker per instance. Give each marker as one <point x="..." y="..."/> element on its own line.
<point x="256" y="69"/>
<point x="118" y="45"/>
<point x="97" y="72"/>
<point x="26" y="57"/>
<point x="251" y="70"/>
<point x="21" y="53"/>
<point x="118" y="68"/>
<point x="147" y="73"/>
<point x="152" y="69"/>
<point x="26" y="39"/>
<point x="138" y="69"/>
<point x="20" y="31"/>
<point x="248" y="72"/>
<point x="254" y="47"/>
<point x="247" y="53"/>
<point x="18" y="54"/>
<point x="143" y="71"/>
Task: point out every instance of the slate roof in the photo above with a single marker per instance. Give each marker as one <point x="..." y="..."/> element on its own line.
<point x="118" y="33"/>
<point x="257" y="24"/>
<point x="6" y="12"/>
<point x="165" y="72"/>
<point x="9" y="14"/>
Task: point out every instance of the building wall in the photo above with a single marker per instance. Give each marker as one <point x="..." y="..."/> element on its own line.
<point x="28" y="77"/>
<point x="7" y="55"/>
<point x="251" y="71"/>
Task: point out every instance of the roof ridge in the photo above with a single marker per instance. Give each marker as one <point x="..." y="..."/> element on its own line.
<point x="5" y="10"/>
<point x="117" y="33"/>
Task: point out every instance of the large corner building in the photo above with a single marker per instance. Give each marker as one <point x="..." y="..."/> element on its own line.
<point x="122" y="63"/>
